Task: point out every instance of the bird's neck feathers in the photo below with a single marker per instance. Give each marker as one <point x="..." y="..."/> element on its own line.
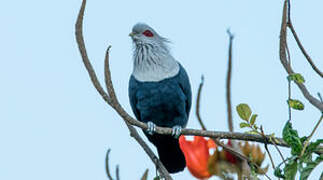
<point x="153" y="62"/>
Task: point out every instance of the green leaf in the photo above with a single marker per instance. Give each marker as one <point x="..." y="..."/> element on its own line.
<point x="303" y="139"/>
<point x="253" y="119"/>
<point x="295" y="104"/>
<point x="243" y="125"/>
<point x="278" y="173"/>
<point x="306" y="171"/>
<point x="292" y="139"/>
<point x="244" y="111"/>
<point x="290" y="170"/>
<point x="307" y="156"/>
<point x="297" y="77"/>
<point x="313" y="145"/>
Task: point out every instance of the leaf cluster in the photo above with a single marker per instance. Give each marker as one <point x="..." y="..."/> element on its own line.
<point x="303" y="163"/>
<point x="245" y="114"/>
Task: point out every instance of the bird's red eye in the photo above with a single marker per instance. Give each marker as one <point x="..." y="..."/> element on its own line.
<point x="148" y="33"/>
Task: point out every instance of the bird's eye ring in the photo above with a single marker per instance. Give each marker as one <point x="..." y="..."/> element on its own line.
<point x="148" y="33"/>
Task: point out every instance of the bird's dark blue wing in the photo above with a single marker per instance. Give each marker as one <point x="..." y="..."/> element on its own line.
<point x="133" y="86"/>
<point x="186" y="88"/>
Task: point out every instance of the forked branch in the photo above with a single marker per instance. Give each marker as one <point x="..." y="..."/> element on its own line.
<point x="283" y="59"/>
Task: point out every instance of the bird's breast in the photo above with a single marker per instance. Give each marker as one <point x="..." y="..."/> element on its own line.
<point x="161" y="104"/>
<point x="164" y="94"/>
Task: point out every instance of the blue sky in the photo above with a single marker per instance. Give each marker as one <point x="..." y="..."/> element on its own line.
<point x="54" y="125"/>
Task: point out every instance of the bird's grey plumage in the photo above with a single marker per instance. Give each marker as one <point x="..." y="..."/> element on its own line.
<point x="152" y="60"/>
<point x="159" y="92"/>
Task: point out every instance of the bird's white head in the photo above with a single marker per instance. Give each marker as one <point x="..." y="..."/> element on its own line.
<point x="142" y="35"/>
<point x="152" y="59"/>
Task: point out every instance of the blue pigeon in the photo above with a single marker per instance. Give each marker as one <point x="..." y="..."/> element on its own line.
<point x="160" y="93"/>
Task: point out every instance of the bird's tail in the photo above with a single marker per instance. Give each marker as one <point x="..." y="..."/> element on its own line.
<point x="169" y="152"/>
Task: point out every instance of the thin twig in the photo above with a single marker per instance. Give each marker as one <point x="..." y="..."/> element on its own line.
<point x="145" y="175"/>
<point x="198" y="102"/>
<point x="308" y="58"/>
<point x="319" y="95"/>
<point x="288" y="55"/>
<point x="270" y="157"/>
<point x="289" y="98"/>
<point x="113" y="102"/>
<point x="310" y="136"/>
<point x="228" y="82"/>
<point x="288" y="12"/>
<point x="289" y="84"/>
<point x="280" y="153"/>
<point x="283" y="59"/>
<point x="266" y="147"/>
<point x="107" y="169"/>
<point x="117" y="173"/>
<point x="244" y="163"/>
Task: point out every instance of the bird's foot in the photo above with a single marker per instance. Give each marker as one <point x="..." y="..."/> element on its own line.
<point x="177" y="130"/>
<point x="151" y="128"/>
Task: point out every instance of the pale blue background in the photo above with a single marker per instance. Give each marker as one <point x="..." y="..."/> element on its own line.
<point x="53" y="123"/>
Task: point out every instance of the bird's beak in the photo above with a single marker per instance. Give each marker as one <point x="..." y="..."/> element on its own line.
<point x="131" y="34"/>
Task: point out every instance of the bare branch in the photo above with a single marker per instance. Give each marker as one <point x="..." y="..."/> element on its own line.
<point x="107" y="169"/>
<point x="270" y="157"/>
<point x="266" y="147"/>
<point x="228" y="83"/>
<point x="308" y="58"/>
<point x="289" y="97"/>
<point x="81" y="45"/>
<point x="244" y="163"/>
<point x="310" y="61"/>
<point x="198" y="102"/>
<point x="289" y="84"/>
<point x="282" y="42"/>
<point x="145" y="175"/>
<point x="280" y="153"/>
<point x="283" y="59"/>
<point x="117" y="173"/>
